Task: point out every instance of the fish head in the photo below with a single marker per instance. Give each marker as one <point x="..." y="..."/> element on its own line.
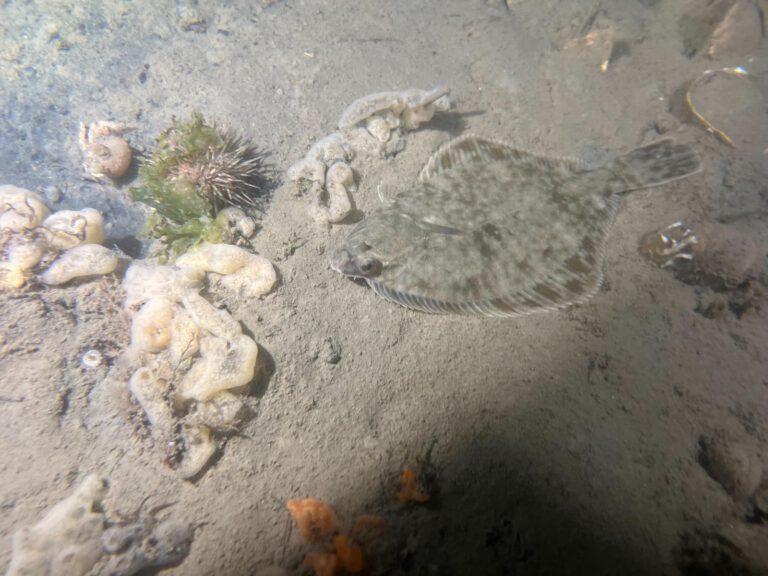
<point x="356" y="260"/>
<point x="377" y="245"/>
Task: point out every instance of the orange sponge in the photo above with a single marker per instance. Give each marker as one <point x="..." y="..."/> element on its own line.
<point x="315" y="518"/>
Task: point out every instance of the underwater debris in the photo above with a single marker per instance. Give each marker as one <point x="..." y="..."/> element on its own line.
<point x="706" y="76"/>
<point x="195" y="171"/>
<point x="50" y="248"/>
<point x="106" y="154"/>
<point x="374" y="125"/>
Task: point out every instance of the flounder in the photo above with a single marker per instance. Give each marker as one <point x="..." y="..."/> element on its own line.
<point x="493" y="230"/>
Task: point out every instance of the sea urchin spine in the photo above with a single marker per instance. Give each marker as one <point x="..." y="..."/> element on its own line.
<point x="197" y="169"/>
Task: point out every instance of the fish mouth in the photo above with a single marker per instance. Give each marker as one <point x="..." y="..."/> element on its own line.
<point x="342" y="262"/>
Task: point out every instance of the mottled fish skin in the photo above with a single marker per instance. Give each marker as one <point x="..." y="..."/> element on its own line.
<point x="497" y="231"/>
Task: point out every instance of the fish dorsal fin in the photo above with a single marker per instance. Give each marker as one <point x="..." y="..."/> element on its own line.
<point x="470" y="149"/>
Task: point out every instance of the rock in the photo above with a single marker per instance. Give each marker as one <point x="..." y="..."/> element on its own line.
<point x="739" y="33"/>
<point x="68" y="538"/>
<point x="731" y="461"/>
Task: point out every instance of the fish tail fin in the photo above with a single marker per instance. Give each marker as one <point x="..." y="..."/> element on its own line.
<point x="658" y="163"/>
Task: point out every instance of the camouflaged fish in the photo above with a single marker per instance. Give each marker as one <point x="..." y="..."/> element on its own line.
<point x="489" y="229"/>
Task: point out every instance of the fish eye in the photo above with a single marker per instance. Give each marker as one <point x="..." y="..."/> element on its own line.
<point x="370" y="267"/>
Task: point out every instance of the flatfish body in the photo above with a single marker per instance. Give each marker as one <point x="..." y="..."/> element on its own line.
<point x="489" y="229"/>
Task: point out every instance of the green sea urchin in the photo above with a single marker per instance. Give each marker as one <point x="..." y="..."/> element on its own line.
<point x="194" y="171"/>
<point x="197" y="169"/>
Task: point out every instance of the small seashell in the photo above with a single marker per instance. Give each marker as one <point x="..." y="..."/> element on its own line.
<point x="92" y="359"/>
<point x="108" y="157"/>
<point x="105" y="152"/>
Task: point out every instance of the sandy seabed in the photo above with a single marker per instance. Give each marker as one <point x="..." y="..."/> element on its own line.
<point x="570" y="442"/>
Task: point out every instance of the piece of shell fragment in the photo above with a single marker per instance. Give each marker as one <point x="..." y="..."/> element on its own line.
<point x="106" y="154"/>
<point x="494" y="230"/>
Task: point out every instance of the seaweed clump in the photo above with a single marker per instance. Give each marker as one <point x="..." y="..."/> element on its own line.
<point x="195" y="171"/>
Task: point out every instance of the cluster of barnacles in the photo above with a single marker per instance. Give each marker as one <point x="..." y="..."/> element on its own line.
<point x="373" y="125"/>
<point x="670" y="244"/>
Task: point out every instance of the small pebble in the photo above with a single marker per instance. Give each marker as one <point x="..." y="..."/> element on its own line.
<point x="52" y="194"/>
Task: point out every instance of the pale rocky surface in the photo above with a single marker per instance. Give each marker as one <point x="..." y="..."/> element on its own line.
<point x="565" y="442"/>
